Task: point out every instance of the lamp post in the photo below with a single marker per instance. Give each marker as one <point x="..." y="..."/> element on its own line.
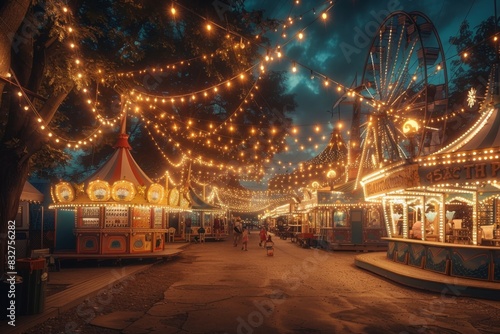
<point x="331" y="175"/>
<point x="410" y="129"/>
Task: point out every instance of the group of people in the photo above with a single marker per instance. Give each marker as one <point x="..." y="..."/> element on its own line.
<point x="241" y="233"/>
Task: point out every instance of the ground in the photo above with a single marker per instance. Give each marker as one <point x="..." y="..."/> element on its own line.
<point x="139" y="293"/>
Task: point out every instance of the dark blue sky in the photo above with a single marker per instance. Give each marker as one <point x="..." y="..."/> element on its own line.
<point x="338" y="47"/>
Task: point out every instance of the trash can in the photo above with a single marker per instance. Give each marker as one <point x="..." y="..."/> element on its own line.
<point x="11" y="292"/>
<point x="34" y="274"/>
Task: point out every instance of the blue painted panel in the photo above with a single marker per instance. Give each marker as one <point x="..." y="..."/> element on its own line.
<point x="401" y="252"/>
<point x="470" y="263"/>
<point x="416" y="254"/>
<point x="391" y="249"/>
<point x="496" y="262"/>
<point x="65" y="238"/>
<point x="435" y="259"/>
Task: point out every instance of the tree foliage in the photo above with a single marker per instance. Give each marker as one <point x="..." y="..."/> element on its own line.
<point x="477" y="52"/>
<point x="78" y="64"/>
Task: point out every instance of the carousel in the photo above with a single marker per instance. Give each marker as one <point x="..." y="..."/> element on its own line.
<point x="116" y="212"/>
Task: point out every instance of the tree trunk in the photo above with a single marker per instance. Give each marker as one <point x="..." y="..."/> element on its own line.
<point x="13" y="174"/>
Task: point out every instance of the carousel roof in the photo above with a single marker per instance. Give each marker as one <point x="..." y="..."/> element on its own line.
<point x="121" y="166"/>
<point x="333" y="156"/>
<point x="119" y="181"/>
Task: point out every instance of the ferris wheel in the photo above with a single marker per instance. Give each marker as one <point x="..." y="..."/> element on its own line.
<point x="404" y="88"/>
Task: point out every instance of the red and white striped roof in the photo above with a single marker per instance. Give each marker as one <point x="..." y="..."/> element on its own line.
<point x="121" y="166"/>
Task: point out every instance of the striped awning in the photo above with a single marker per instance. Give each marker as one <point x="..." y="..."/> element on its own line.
<point x="121" y="166"/>
<point x="198" y="204"/>
<point x="481" y="135"/>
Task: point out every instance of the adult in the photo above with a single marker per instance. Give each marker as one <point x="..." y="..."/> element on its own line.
<point x="244" y="239"/>
<point x="262" y="235"/>
<point x="217" y="228"/>
<point x="201" y="235"/>
<point x="188" y="229"/>
<point x="238" y="231"/>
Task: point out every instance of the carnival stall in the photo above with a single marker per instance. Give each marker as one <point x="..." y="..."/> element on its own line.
<point x="441" y="210"/>
<point x="206" y="215"/>
<point x="342" y="219"/>
<point x="117" y="211"/>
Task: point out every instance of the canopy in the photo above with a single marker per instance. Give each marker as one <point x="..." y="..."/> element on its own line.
<point x="121" y="166"/>
<point x="31" y="194"/>
<point x="198" y="204"/>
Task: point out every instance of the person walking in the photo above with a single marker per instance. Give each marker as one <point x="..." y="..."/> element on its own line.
<point x="238" y="231"/>
<point x="244" y="239"/>
<point x="262" y="235"/>
<point x="217" y="228"/>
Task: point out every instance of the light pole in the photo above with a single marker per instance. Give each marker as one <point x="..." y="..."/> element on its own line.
<point x="410" y="129"/>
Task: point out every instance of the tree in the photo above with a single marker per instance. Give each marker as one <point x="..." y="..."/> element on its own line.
<point x="56" y="54"/>
<point x="477" y="51"/>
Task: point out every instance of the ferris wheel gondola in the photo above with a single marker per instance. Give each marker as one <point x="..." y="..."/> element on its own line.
<point x="404" y="87"/>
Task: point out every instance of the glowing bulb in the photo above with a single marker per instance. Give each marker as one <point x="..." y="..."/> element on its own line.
<point x="324" y="16"/>
<point x="301" y="35"/>
<point x="173" y="11"/>
<point x="209" y="27"/>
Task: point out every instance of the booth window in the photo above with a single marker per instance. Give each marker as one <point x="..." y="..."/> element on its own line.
<point x="340" y="218"/>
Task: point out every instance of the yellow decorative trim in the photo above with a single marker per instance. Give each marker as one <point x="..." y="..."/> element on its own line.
<point x="156" y="192"/>
<point x="123" y="190"/>
<point x="141" y="190"/>
<point x="98" y="190"/>
<point x="80" y="188"/>
<point x="64" y="192"/>
<point x="184" y="202"/>
<point x="173" y="197"/>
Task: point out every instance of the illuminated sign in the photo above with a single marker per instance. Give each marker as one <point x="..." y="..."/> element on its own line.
<point x="404" y="178"/>
<point x="465" y="172"/>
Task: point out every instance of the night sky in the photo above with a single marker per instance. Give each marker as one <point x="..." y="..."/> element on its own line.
<point x="337" y="48"/>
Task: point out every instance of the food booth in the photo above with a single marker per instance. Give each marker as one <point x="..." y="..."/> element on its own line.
<point x="341" y="219"/>
<point x="441" y="210"/>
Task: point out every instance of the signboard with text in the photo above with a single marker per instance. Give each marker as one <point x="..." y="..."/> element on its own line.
<point x="405" y="177"/>
<point x="460" y="173"/>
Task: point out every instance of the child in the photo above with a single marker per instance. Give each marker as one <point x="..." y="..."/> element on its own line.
<point x="244" y="239"/>
<point x="269" y="246"/>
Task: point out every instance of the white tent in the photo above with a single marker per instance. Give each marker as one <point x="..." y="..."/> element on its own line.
<point x="31" y="194"/>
